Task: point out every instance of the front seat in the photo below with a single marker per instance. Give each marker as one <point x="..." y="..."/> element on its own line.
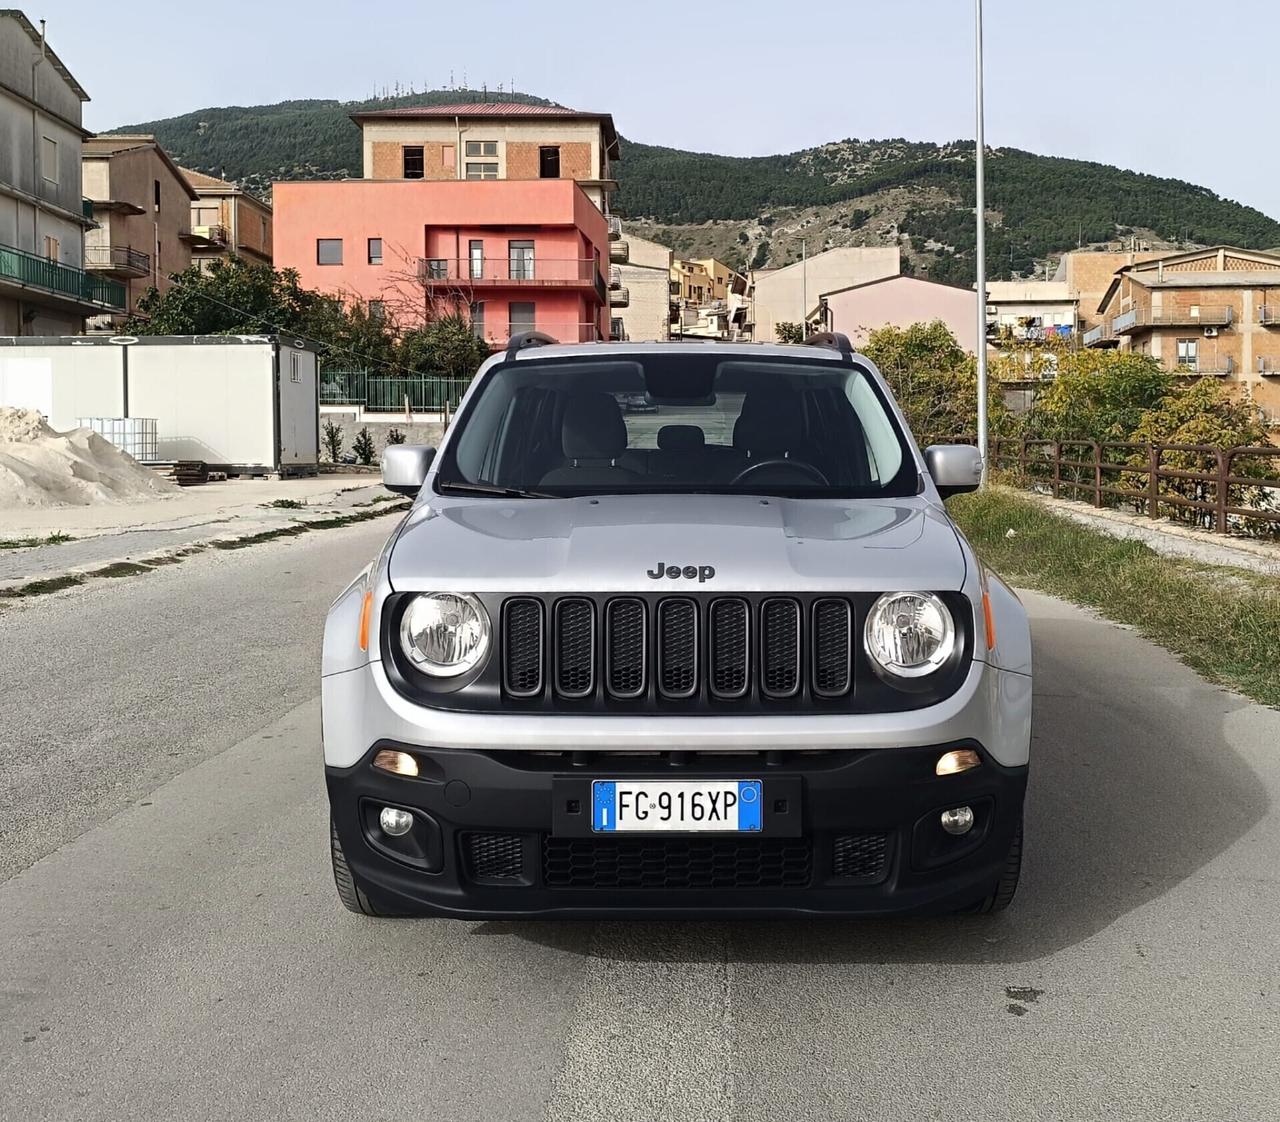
<point x="592" y="436"/>
<point x="770" y="427"/>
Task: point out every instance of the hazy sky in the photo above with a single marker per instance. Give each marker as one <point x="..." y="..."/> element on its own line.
<point x="1163" y="86"/>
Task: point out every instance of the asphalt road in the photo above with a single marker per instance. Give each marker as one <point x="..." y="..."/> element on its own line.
<point x="171" y="945"/>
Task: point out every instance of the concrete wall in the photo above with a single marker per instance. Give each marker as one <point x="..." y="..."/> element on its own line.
<point x="780" y="294"/>
<point x="647" y="278"/>
<point x="900" y="302"/>
<point x="419" y="432"/>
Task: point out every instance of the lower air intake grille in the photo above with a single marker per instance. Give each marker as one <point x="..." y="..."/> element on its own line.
<point x="859" y="856"/>
<point x="676" y="862"/>
<point x="493" y="857"/>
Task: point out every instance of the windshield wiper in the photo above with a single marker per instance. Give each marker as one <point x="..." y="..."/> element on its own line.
<point x="461" y="486"/>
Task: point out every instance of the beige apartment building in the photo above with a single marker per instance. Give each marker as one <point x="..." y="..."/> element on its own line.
<point x="226" y="220"/>
<point x="1088" y="274"/>
<point x="44" y="287"/>
<point x="645" y="279"/>
<point x="1025" y="313"/>
<point x="1212" y="312"/>
<point x="790" y="294"/>
<point x="491" y="140"/>
<point x="142" y="204"/>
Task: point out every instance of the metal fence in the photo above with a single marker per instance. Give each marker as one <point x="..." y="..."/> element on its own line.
<point x="1226" y="490"/>
<point x="418" y="393"/>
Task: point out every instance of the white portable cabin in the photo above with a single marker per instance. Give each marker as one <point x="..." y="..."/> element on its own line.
<point x="238" y="402"/>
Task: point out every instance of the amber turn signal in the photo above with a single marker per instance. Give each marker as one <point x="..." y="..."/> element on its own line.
<point x="953" y="763"/>
<point x="398" y="763"/>
<point x="366" y="610"/>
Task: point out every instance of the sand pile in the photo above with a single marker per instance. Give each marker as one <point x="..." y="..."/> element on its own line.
<point x="43" y="468"/>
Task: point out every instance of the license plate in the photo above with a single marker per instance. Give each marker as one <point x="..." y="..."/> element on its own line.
<point x="655" y="805"/>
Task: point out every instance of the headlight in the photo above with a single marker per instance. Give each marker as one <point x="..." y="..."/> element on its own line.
<point x="909" y="634"/>
<point x="445" y="634"/>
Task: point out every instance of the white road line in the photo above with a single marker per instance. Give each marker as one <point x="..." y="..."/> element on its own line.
<point x="652" y="1038"/>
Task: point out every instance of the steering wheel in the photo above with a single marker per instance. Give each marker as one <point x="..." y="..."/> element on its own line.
<point x="795" y="465"/>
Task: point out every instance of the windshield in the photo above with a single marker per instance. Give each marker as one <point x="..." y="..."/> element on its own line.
<point x="678" y="423"/>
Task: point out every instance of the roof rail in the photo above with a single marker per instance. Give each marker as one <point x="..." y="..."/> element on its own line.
<point x="834" y="340"/>
<point x="527" y="339"/>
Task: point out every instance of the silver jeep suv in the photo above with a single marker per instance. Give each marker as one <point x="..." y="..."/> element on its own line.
<point x="725" y="654"/>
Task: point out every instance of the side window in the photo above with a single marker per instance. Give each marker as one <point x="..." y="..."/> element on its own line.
<point x="884" y="453"/>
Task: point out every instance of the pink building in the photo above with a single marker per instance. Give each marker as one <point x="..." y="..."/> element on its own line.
<point x="899" y="302"/>
<point x="512" y="255"/>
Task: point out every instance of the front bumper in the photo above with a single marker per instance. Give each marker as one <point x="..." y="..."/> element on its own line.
<point x="847" y="832"/>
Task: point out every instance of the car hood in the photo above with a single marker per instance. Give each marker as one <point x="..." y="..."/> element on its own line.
<point x="614" y="542"/>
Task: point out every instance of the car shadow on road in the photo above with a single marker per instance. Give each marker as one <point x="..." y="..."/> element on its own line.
<point x="1135" y="787"/>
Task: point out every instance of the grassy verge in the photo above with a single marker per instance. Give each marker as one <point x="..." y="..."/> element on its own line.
<point x="1222" y="622"/>
<point x="29" y="543"/>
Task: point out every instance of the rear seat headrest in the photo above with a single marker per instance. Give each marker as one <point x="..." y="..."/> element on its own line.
<point x="681" y="438"/>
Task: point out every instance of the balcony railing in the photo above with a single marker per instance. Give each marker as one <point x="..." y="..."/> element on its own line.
<point x="117" y="258"/>
<point x="615" y="277"/>
<point x="1208" y="364"/>
<point x="61" y="280"/>
<point x="1200" y="315"/>
<point x="619" y="298"/>
<point x="1099" y="335"/>
<point x="497" y="334"/>
<point x="568" y="271"/>
<point x="1269" y="315"/>
<point x="615" y="226"/>
<point x="214" y="234"/>
<point x="619" y="252"/>
<point x="1268" y="365"/>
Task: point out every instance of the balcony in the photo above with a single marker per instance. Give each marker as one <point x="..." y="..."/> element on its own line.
<point x="505" y="273"/>
<point x="1197" y="315"/>
<point x="619" y="298"/>
<point x="497" y="334"/>
<point x="1028" y="331"/>
<point x="1269" y="315"/>
<point x="615" y="226"/>
<point x="1101" y="336"/>
<point x="214" y="236"/>
<point x="1268" y="365"/>
<point x="1219" y="366"/>
<point x="62" y="282"/>
<point x="619" y="253"/>
<point x="117" y="260"/>
<point x="615" y="277"/>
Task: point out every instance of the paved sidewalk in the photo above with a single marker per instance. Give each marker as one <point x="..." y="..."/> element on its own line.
<point x="241" y="512"/>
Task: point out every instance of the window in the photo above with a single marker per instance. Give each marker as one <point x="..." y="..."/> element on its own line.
<point x="520" y="260"/>
<point x="375" y="251"/>
<point x="206" y="216"/>
<point x="449" y="157"/>
<point x="549" y="163"/>
<point x="482" y="147"/>
<point x="266" y="238"/>
<point x="51" y="248"/>
<point x="328" y="251"/>
<point x="377" y="311"/>
<point x="155" y="193"/>
<point x="477" y="319"/>
<point x="295" y="366"/>
<point x="475" y="251"/>
<point x="1188" y="352"/>
<point x="522" y="318"/>
<point x="482" y="171"/>
<point x="414" y="164"/>
<point x="49" y="159"/>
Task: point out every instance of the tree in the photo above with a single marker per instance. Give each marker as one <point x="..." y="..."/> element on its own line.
<point x="332" y="440"/>
<point x="1098" y="395"/>
<point x="363" y="447"/>
<point x="395" y="436"/>
<point x="447" y="345"/>
<point x="788" y="332"/>
<point x="935" y="382"/>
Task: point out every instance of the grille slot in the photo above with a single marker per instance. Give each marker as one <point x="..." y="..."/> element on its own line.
<point x="627" y="670"/>
<point x="859" y="856"/>
<point x="675" y="863"/>
<point x="575" y="646"/>
<point x="780" y="648"/>
<point x="522" y="648"/>
<point x="730" y="645"/>
<point x="493" y="857"/>
<point x="677" y="648"/>
<point x="832" y="647"/>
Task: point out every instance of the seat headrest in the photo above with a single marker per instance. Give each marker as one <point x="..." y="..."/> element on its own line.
<point x="770" y="422"/>
<point x="681" y="438"/>
<point x="593" y="428"/>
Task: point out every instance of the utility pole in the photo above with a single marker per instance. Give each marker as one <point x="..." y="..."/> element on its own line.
<point x="980" y="168"/>
<point x="804" y="285"/>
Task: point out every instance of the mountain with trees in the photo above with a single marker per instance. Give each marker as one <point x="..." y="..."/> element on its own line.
<point x="756" y="211"/>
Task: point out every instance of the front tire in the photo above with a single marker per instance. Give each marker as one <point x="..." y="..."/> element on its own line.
<point x="349" y="891"/>
<point x="1007" y="886"/>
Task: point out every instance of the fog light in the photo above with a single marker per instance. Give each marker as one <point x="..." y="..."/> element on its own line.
<point x="398" y="822"/>
<point x="953" y="763"/>
<point x="398" y="763"/>
<point x="958" y="820"/>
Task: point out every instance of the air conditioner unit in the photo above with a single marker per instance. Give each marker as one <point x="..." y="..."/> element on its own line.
<point x="1210" y="332"/>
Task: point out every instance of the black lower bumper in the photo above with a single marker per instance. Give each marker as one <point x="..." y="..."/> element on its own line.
<point x="508" y="834"/>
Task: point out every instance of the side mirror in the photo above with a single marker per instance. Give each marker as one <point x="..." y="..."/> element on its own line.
<point x="405" y="466"/>
<point x="954" y="468"/>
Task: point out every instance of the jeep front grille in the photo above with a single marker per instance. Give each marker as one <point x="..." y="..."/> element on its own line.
<point x="675" y="649"/>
